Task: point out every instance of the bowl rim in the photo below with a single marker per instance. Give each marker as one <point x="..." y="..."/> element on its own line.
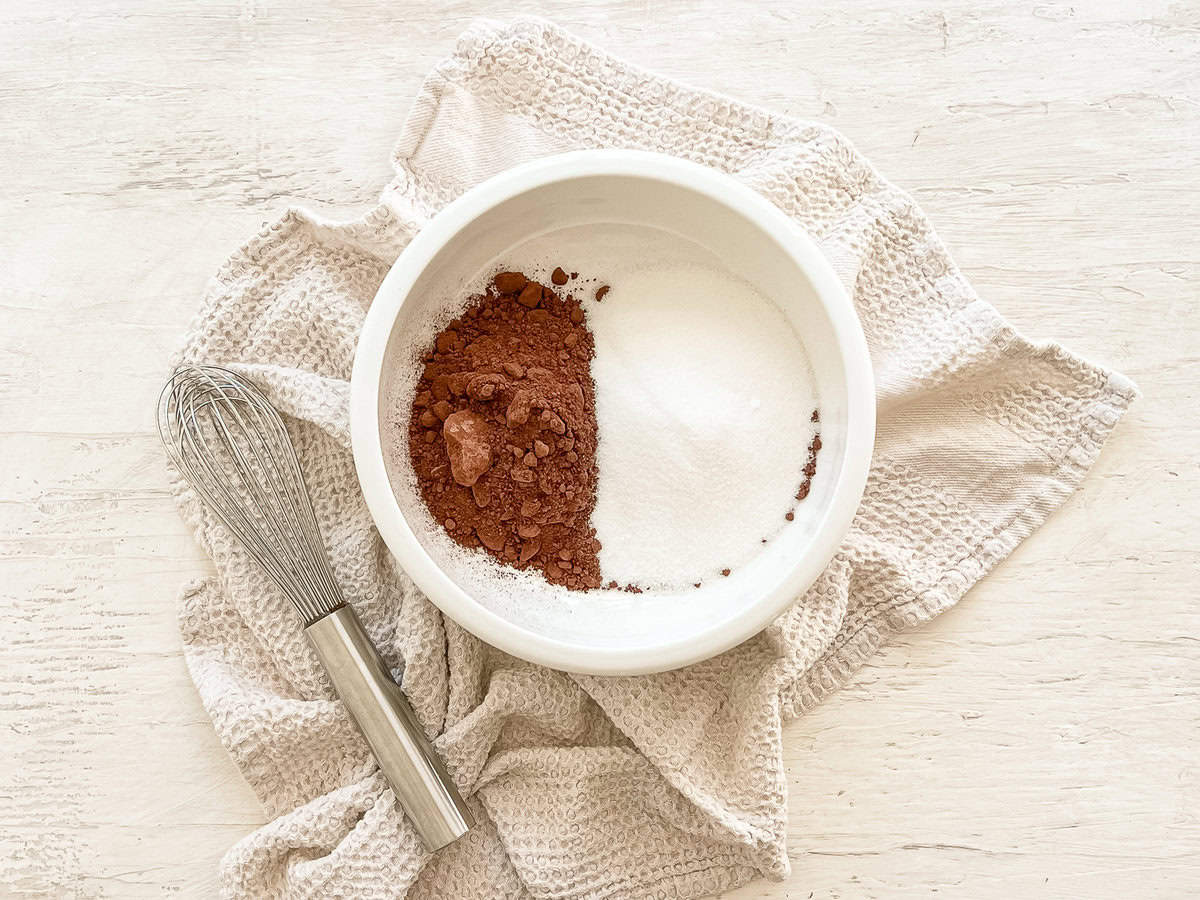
<point x="367" y="440"/>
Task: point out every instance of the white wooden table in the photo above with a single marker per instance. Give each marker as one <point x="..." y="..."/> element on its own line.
<point x="1039" y="740"/>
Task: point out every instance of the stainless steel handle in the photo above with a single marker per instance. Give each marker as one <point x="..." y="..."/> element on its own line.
<point x="381" y="711"/>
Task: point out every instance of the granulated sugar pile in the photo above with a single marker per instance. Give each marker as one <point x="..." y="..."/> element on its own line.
<point x="703" y="406"/>
<point x="704" y="414"/>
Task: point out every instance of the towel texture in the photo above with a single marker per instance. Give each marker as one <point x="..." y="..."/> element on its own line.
<point x="669" y="785"/>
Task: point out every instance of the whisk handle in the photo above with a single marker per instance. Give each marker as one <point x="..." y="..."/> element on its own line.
<point x="383" y="715"/>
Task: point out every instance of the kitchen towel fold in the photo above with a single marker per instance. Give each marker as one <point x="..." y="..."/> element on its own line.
<point x="668" y="785"/>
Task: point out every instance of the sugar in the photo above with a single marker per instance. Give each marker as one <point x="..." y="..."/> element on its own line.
<point x="703" y="407"/>
<point x="703" y="402"/>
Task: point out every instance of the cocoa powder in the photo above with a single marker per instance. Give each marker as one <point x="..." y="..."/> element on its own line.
<point x="810" y="463"/>
<point x="502" y="434"/>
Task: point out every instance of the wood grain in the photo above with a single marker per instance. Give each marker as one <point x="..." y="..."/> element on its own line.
<point x="1036" y="741"/>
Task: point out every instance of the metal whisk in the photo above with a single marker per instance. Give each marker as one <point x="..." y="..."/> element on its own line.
<point x="232" y="447"/>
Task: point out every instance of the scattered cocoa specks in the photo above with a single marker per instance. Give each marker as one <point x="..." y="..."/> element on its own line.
<point x="601" y="292"/>
<point x="558" y="276"/>
<point x="810" y="465"/>
<point x="726" y="572"/>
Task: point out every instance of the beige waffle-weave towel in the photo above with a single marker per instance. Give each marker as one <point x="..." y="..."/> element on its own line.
<point x="661" y="786"/>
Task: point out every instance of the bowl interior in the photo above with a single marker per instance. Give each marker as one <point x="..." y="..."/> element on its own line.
<point x="587" y="626"/>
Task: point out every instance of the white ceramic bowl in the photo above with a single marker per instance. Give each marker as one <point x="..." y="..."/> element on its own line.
<point x="756" y="241"/>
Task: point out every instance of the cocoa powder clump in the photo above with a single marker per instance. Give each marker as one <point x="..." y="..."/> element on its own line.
<point x="502" y="433"/>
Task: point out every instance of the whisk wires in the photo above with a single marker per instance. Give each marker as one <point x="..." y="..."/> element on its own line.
<point x="231" y="446"/>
